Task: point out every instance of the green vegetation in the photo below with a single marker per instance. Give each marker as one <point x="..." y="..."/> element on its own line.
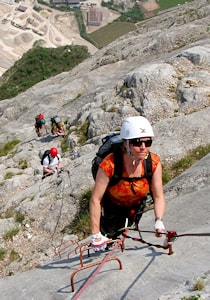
<point x="64" y="144"/>
<point x="43" y="2"/>
<point x="199" y="284"/>
<point x="37" y="8"/>
<point x="82" y="28"/>
<point x="198" y="297"/>
<point x="19" y="217"/>
<point x="112" y="5"/>
<point x="173" y="170"/>
<point x="122" y="25"/>
<point x="9" y="175"/>
<point x="10" y="234"/>
<point x="81" y="223"/>
<point x="133" y="16"/>
<point x="111" y="32"/>
<point x="39" y="64"/>
<point x="81" y="131"/>
<point x="9" y="146"/>
<point x="72" y="100"/>
<point x="165" y="4"/>
<point x="112" y="109"/>
<point x="14" y="256"/>
<point x="2" y="253"/>
<point x="12" y="213"/>
<point x="9" y="212"/>
<point x="23" y="164"/>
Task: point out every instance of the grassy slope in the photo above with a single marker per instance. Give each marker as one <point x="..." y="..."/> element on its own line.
<point x="111" y="32"/>
<point x="165" y="4"/>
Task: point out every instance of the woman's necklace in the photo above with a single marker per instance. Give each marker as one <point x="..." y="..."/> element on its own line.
<point x="135" y="161"/>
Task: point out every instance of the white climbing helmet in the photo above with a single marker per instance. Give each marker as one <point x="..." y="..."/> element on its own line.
<point x="136" y="127"/>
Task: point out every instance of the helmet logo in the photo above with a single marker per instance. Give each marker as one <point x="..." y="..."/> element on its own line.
<point x="142" y="130"/>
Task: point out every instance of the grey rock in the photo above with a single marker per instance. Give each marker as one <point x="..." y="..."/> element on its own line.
<point x="161" y="71"/>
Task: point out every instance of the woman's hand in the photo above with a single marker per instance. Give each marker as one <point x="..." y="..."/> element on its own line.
<point x="159" y="228"/>
<point x="98" y="242"/>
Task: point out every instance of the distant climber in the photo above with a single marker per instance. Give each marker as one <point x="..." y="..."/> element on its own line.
<point x="39" y="122"/>
<point x="51" y="162"/>
<point x="58" y="127"/>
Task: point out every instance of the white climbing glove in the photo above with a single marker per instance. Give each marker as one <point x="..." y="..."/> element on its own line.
<point x="159" y="226"/>
<point x="98" y="242"/>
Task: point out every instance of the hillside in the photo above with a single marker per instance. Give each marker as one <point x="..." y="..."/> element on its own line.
<point x="20" y="30"/>
<point x="160" y="71"/>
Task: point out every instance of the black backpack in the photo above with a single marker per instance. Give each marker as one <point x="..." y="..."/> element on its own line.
<point x="46" y="154"/>
<point x="38" y="120"/>
<point x="112" y="143"/>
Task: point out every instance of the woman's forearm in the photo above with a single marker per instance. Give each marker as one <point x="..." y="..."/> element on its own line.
<point x="95" y="214"/>
<point x="159" y="208"/>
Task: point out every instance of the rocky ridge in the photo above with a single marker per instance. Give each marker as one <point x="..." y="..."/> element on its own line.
<point x="161" y="71"/>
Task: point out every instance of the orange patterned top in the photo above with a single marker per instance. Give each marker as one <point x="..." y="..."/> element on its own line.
<point x="126" y="193"/>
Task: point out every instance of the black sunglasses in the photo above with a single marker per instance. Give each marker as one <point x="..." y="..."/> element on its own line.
<point x="138" y="142"/>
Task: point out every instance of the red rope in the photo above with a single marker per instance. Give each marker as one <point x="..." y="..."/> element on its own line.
<point x="144" y="242"/>
<point x="193" y="234"/>
<point x="171" y="234"/>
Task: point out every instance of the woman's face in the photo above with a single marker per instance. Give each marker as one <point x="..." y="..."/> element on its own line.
<point x="140" y="147"/>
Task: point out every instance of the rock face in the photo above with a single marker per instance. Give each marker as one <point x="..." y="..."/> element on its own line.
<point x="161" y="71"/>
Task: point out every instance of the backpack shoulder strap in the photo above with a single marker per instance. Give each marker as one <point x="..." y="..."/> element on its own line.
<point x="48" y="156"/>
<point x="148" y="175"/>
<point x="118" y="163"/>
<point x="148" y="168"/>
